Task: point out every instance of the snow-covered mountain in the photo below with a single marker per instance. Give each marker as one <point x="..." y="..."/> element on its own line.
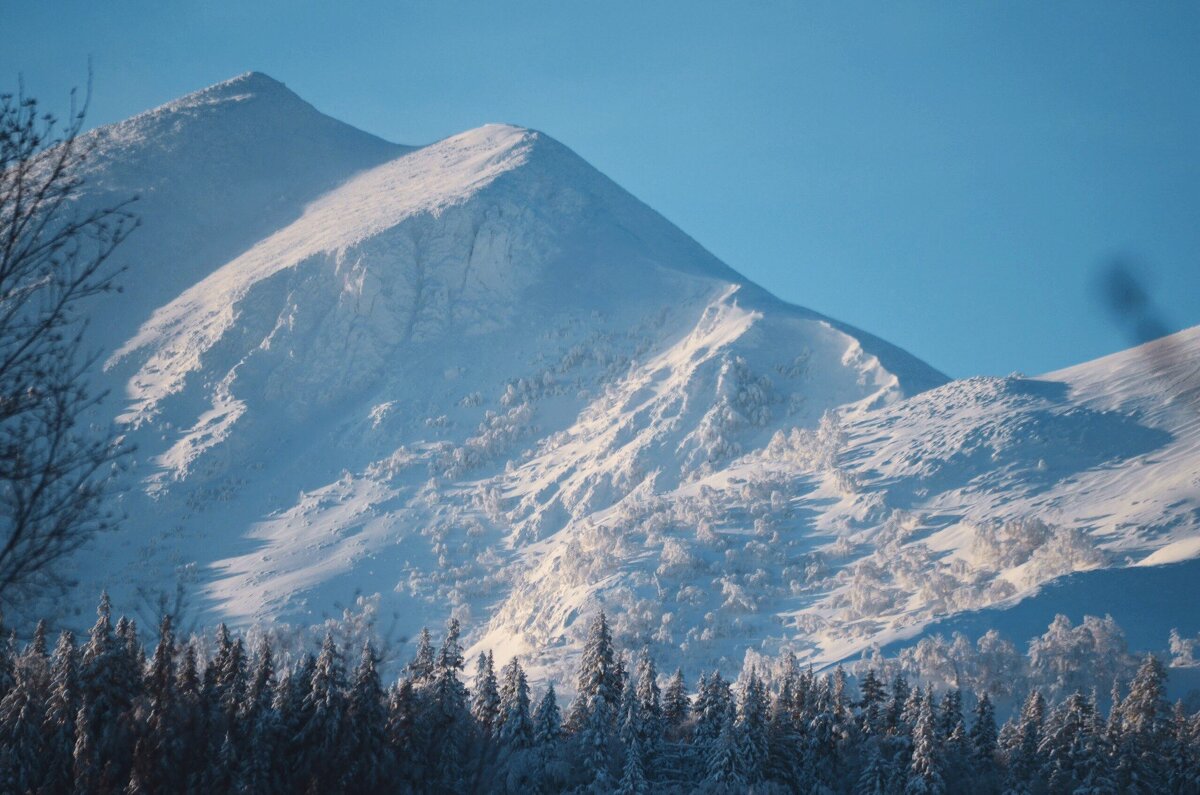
<point x="478" y="378"/>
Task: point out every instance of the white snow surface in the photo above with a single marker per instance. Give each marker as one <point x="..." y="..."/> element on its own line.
<point x="479" y="379"/>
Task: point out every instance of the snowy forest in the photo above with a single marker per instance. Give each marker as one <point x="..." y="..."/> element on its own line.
<point x="103" y="717"/>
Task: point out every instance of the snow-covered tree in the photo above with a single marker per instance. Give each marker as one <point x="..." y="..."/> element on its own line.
<point x="485" y="703"/>
<point x="925" y="766"/>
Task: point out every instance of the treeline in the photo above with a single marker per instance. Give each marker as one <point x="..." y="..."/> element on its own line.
<point x="104" y="718"/>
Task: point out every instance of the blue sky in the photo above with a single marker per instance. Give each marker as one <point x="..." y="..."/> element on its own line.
<point x="951" y="176"/>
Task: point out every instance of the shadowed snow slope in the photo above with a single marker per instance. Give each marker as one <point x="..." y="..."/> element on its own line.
<point x="478" y="378"/>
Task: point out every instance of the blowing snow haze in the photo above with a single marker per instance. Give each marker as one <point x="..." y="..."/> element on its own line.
<point x="479" y="378"/>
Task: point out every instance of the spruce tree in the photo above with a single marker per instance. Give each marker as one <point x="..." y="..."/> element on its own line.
<point x="516" y="724"/>
<point x="547" y="720"/>
<point x="650" y="706"/>
<point x="421" y="669"/>
<point x="322" y="730"/>
<point x="21" y="713"/>
<point x="599" y="675"/>
<point x="871" y="704"/>
<point x="450" y="714"/>
<point x="876" y="775"/>
<point x="755" y="728"/>
<point x="485" y="704"/>
<point x="106" y="696"/>
<point x="724" y="771"/>
<point x="633" y="780"/>
<point x="365" y="743"/>
<point x="262" y="726"/>
<point x="402" y="731"/>
<point x="676" y="705"/>
<point x="925" y="768"/>
<point x="58" y="726"/>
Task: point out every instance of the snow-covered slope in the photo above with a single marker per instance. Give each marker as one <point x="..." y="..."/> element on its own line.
<point x="478" y="378"/>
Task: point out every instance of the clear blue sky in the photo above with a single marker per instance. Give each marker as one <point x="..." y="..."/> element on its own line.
<point x="950" y="176"/>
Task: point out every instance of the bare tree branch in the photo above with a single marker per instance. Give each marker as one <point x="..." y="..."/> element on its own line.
<point x="55" y="467"/>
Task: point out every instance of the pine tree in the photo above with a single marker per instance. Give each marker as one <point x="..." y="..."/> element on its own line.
<point x="724" y="771"/>
<point x="1183" y="775"/>
<point x="1145" y="724"/>
<point x="21" y="713"/>
<point x="784" y="764"/>
<point x="871" y="704"/>
<point x="450" y="715"/>
<point x="157" y="750"/>
<point x="547" y="736"/>
<point x="366" y="744"/>
<point x="485" y="705"/>
<point x="107" y="693"/>
<point x="594" y="741"/>
<point x="262" y="725"/>
<point x="191" y="717"/>
<point x="85" y="762"/>
<point x="633" y="781"/>
<point x="402" y="731"/>
<point x="649" y="698"/>
<point x="713" y="702"/>
<point x="1027" y="736"/>
<point x="1063" y="733"/>
<point x="676" y="705"/>
<point x="322" y="728"/>
<point x="755" y="729"/>
<point x="421" y="669"/>
<point x="1090" y="759"/>
<point x="58" y="726"/>
<point x="924" y="770"/>
<point x="516" y="725"/>
<point x="895" y="710"/>
<point x="547" y="720"/>
<point x="984" y="734"/>
<point x="599" y="675"/>
<point x="876" y="775"/>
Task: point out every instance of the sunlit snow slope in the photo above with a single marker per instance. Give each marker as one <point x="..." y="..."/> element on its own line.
<point x="478" y="378"/>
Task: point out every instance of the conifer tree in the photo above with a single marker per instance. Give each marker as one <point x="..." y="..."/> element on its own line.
<point x="485" y="705"/>
<point x="871" y="704"/>
<point x="421" y="669"/>
<point x="895" y="707"/>
<point x="106" y="696"/>
<point x="547" y="736"/>
<point x="984" y="734"/>
<point x="650" y="706"/>
<point x="516" y="725"/>
<point x="724" y="771"/>
<point x="755" y="726"/>
<point x="547" y="720"/>
<point x="784" y="739"/>
<point x="262" y="724"/>
<point x="924" y="770"/>
<point x="876" y="775"/>
<point x="58" y="726"/>
<point x="599" y="675"/>
<point x="157" y="751"/>
<point x="633" y="780"/>
<point x="676" y="705"/>
<point x="322" y="729"/>
<point x="401" y="730"/>
<point x="1027" y="736"/>
<point x="21" y="712"/>
<point x="449" y="711"/>
<point x="594" y="741"/>
<point x="366" y="743"/>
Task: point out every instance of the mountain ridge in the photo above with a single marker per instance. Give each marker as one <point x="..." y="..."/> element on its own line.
<point x="478" y="378"/>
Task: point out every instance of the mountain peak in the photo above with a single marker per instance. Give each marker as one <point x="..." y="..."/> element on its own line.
<point x="243" y="87"/>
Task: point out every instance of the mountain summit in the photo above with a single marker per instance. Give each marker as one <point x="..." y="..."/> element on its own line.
<point x="477" y="378"/>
